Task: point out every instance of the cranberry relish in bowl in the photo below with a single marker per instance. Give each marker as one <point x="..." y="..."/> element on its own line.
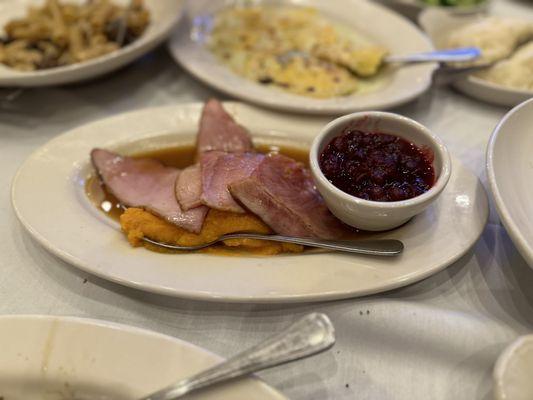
<point x="377" y="166"/>
<point x="377" y="170"/>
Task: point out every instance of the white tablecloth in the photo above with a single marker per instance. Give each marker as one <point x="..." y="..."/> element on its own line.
<point x="437" y="339"/>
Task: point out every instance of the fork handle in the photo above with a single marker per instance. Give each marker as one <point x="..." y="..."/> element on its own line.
<point x="312" y="334"/>
<point x="379" y="247"/>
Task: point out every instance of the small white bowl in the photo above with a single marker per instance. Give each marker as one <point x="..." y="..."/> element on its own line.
<point x="375" y="215"/>
<point x="512" y="372"/>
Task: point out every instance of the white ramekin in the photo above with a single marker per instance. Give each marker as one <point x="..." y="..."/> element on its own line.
<point x="375" y="215"/>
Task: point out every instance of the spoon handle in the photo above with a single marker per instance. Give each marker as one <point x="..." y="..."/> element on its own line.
<point x="310" y="335"/>
<point x="376" y="247"/>
<point x="451" y="55"/>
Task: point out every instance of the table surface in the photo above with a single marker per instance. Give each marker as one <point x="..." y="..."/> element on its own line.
<point x="437" y="339"/>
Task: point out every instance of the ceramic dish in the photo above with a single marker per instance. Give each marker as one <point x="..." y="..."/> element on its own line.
<point x="437" y="24"/>
<point x="73" y="229"/>
<point x="73" y="358"/>
<point x="393" y="31"/>
<point x="164" y="14"/>
<point x="412" y="8"/>
<point x="379" y="215"/>
<point x="510" y="173"/>
<point x="512" y="373"/>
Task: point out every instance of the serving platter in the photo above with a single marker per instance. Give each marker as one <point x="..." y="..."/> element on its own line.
<point x="396" y="33"/>
<point x="164" y="15"/>
<point x="510" y="174"/>
<point x="73" y="358"/>
<point x="67" y="224"/>
<point x="438" y="24"/>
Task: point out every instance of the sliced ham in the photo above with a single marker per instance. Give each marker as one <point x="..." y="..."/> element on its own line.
<point x="219" y="171"/>
<point x="219" y="131"/>
<point x="189" y="187"/>
<point x="148" y="184"/>
<point x="281" y="192"/>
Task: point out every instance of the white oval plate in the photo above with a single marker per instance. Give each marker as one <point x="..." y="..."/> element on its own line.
<point x="46" y="358"/>
<point x="391" y="30"/>
<point x="437" y="24"/>
<point x="413" y="8"/>
<point x="164" y="14"/>
<point x="510" y="175"/>
<point x="49" y="199"/>
<point x="512" y="373"/>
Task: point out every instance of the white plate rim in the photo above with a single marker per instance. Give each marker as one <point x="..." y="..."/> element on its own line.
<point x="236" y="298"/>
<point x="491" y="93"/>
<point x="272" y="101"/>
<point x="453" y="9"/>
<point x="518" y="238"/>
<point x="495" y="86"/>
<point x="131" y="329"/>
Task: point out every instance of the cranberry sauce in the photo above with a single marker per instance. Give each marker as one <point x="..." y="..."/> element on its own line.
<point x="377" y="166"/>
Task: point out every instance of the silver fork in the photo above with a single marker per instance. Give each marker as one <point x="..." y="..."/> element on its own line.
<point x="375" y="247"/>
<point x="310" y="335"/>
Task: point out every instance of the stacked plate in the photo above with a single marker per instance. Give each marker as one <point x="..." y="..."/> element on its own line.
<point x="510" y="174"/>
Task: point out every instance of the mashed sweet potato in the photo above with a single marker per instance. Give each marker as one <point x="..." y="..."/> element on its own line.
<point x="137" y="223"/>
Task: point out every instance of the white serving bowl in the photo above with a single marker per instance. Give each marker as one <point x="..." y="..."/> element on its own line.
<point x="375" y="215"/>
<point x="510" y="173"/>
<point x="512" y="372"/>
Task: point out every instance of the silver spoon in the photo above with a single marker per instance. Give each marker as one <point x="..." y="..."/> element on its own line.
<point x="310" y="335"/>
<point x="444" y="56"/>
<point x="374" y="247"/>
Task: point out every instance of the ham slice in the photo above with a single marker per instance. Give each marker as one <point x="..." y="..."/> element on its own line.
<point x="189" y="187"/>
<point x="219" y="171"/>
<point x="281" y="192"/>
<point x="219" y="131"/>
<point x="148" y="184"/>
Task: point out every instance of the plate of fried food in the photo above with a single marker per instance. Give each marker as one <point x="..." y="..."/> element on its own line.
<point x="52" y="42"/>
<point x="187" y="174"/>
<point x="309" y="56"/>
<point x="504" y="73"/>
